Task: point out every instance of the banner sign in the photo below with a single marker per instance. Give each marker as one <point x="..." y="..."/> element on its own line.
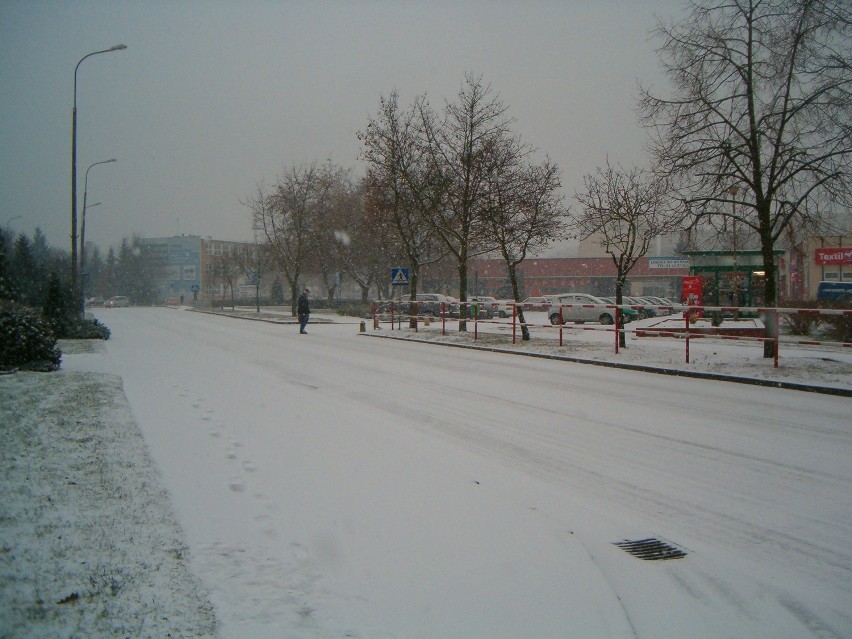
<point x="839" y="255"/>
<point x="692" y="290"/>
<point x="668" y="262"/>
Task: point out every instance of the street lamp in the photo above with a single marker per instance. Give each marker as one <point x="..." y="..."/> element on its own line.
<point x="84" y="276"/>
<point x="83" y="221"/>
<point x="12" y="219"/>
<point x="117" y="47"/>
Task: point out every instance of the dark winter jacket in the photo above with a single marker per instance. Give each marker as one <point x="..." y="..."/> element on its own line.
<point x="303" y="306"/>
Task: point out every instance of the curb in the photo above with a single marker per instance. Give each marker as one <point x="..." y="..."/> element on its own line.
<point x="824" y="390"/>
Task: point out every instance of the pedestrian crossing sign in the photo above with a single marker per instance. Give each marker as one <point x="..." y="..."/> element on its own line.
<point x="399" y="277"/>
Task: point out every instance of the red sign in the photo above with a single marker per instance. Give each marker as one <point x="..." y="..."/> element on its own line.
<point x="833" y="255"/>
<point x="692" y="290"/>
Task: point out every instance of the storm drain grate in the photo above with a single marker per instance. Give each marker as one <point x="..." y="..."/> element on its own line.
<point x="650" y="549"/>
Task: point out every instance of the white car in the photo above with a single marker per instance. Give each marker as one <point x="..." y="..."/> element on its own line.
<point x="585" y="308"/>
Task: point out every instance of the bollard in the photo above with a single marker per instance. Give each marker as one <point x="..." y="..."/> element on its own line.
<point x="363" y="326"/>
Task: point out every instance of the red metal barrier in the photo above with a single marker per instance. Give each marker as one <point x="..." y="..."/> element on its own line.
<point x="689" y="333"/>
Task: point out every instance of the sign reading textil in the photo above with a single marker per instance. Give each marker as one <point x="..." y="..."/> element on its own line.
<point x="399" y="277"/>
<point x="838" y="255"/>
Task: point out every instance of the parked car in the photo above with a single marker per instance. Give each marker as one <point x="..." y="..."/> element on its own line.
<point x="506" y="308"/>
<point x="538" y="303"/>
<point x="648" y="311"/>
<point x="454" y="308"/>
<point x="632" y="301"/>
<point x="586" y="308"/>
<point x="488" y="306"/>
<point x="828" y="291"/>
<point x="118" y="301"/>
<point x="95" y="301"/>
<point x="397" y="308"/>
<point x="659" y="301"/>
<point x="430" y="304"/>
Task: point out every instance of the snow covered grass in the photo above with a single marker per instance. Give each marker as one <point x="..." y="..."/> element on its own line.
<point x="89" y="545"/>
<point x="828" y="366"/>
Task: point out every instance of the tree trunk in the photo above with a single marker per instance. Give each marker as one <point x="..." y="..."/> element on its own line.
<point x="413" y="294"/>
<point x="463" y="310"/>
<point x="294" y="297"/>
<point x="619" y="319"/>
<point x="770" y="296"/>
<point x="516" y="295"/>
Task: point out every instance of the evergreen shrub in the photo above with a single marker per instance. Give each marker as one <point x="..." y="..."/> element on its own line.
<point x="26" y="340"/>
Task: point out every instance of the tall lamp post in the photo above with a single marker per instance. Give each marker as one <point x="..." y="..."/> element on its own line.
<point x="84" y="275"/>
<point x="83" y="220"/>
<point x="117" y="47"/>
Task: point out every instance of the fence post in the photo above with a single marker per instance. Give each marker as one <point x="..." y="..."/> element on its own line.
<point x="561" y="324"/>
<point x="475" y="322"/>
<point x="686" y="315"/>
<point x="443" y="318"/>
<point x="514" y="321"/>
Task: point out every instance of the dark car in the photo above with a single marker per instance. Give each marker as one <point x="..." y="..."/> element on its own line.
<point x="488" y="306"/>
<point x="434" y="304"/>
<point x="119" y="301"/>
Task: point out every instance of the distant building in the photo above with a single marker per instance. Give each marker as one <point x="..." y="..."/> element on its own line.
<point x="660" y="276"/>
<point x="197" y="269"/>
<point x="176" y="262"/>
<point x="818" y="259"/>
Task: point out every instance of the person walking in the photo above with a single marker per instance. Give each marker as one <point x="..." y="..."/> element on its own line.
<point x="303" y="308"/>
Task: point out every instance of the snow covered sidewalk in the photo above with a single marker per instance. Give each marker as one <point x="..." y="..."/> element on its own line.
<point x="89" y="545"/>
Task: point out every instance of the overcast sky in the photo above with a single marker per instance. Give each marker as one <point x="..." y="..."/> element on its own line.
<point x="210" y="98"/>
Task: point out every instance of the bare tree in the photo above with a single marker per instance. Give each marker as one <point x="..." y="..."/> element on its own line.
<point x="253" y="262"/>
<point x="287" y="219"/>
<point x="461" y="147"/>
<point x="227" y="271"/>
<point x="761" y="102"/>
<point x="329" y="218"/>
<point x="399" y="186"/>
<point x="362" y="241"/>
<point x="525" y="212"/>
<point x="626" y="210"/>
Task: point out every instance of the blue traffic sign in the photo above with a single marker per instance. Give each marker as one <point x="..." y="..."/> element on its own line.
<point x="399" y="277"/>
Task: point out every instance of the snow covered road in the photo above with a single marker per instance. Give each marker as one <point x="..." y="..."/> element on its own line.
<point x="334" y="485"/>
